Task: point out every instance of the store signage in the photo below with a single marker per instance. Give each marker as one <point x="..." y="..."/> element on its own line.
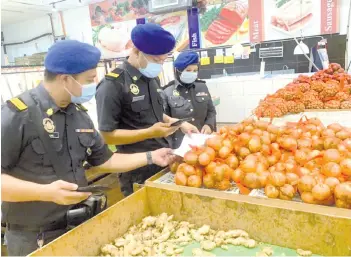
<point x="256" y="16"/>
<point x="329" y="16"/>
<point x="194" y="28"/>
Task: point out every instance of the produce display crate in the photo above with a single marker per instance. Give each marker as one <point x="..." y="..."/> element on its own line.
<point x="324" y="231"/>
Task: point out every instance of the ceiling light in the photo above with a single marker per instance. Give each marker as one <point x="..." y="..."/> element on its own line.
<point x="301" y="48"/>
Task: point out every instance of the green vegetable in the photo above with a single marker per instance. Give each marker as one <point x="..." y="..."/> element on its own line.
<point x="208" y="17"/>
<point x="280" y="3"/>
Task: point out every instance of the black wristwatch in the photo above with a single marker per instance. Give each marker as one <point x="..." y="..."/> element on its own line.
<point x="149" y="158"/>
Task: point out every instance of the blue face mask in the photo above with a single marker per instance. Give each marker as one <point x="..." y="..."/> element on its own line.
<point x="151" y="70"/>
<point x="88" y="92"/>
<point x="188" y="77"/>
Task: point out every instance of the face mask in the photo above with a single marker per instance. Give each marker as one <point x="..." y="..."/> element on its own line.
<point x="151" y="70"/>
<point x="88" y="92"/>
<point x="188" y="77"/>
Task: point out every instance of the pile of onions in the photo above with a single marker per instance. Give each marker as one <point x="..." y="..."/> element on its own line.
<point x="303" y="158"/>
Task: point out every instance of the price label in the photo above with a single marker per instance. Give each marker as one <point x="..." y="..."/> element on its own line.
<point x="228" y="59"/>
<point x="205" y="61"/>
<point x="218" y="59"/>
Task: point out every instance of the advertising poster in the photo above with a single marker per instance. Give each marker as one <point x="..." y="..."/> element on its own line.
<point x="113" y="39"/>
<point x="177" y="24"/>
<point x="225" y="23"/>
<point x="111" y="11"/>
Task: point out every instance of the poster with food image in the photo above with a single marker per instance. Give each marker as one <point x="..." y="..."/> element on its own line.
<point x="225" y="24"/>
<point x="288" y="18"/>
<point x="113" y="39"/>
<point x="177" y="24"/>
<point x="110" y="11"/>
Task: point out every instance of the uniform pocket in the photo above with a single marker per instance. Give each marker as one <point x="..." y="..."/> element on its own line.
<point x="38" y="146"/>
<point x="202" y="99"/>
<point x="175" y="101"/>
<point x="87" y="140"/>
<point x="140" y="106"/>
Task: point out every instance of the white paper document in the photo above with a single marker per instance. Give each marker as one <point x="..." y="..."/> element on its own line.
<point x="191" y="140"/>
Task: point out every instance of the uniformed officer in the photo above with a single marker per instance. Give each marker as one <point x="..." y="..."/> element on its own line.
<point x="188" y="97"/>
<point x="47" y="126"/>
<point x="129" y="104"/>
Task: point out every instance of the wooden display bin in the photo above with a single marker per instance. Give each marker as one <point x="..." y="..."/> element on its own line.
<point x="323" y="230"/>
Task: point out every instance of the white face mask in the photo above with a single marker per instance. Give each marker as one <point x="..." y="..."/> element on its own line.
<point x="188" y="77"/>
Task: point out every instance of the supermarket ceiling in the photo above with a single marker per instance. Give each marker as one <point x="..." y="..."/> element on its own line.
<point x="13" y="11"/>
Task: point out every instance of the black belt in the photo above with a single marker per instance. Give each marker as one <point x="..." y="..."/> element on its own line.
<point x="50" y="227"/>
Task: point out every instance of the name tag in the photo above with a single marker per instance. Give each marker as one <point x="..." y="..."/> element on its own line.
<point x="201" y="94"/>
<point x="85" y="130"/>
<point x="54" y="135"/>
<point x="138" y="98"/>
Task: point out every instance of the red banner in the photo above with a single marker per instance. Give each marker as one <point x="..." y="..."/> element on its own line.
<point x="256" y="16"/>
<point x="329" y="16"/>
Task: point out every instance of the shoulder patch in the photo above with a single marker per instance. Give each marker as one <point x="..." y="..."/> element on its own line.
<point x="81" y="107"/>
<point x="18" y="104"/>
<point x="112" y="75"/>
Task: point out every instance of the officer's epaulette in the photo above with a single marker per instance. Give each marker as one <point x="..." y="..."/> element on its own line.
<point x="114" y="74"/>
<point x="17" y="104"/>
<point x="81" y="107"/>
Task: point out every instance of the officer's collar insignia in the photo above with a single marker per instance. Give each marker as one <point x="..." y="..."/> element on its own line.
<point x="135" y="78"/>
<point x="175" y="92"/>
<point x="50" y="112"/>
<point x="48" y="125"/>
<point x="159" y="90"/>
<point x="134" y="89"/>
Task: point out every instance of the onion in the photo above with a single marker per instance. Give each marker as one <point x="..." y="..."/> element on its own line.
<point x="319" y="178"/>
<point x="304" y="143"/>
<point x="174" y="166"/>
<point x="238" y="175"/>
<point x="271" y="191"/>
<point x="300" y="157"/>
<point x="331" y="143"/>
<point x="251" y="180"/>
<point x="311" y="128"/>
<point x="210" y="168"/>
<point x="243" y="152"/>
<point x="292" y="178"/>
<point x="210" y="152"/>
<point x="214" y="142"/>
<point x="227" y="172"/>
<point x="335" y="127"/>
<point x="208" y="181"/>
<point x="232" y="161"/>
<point x="273" y="129"/>
<point x="224" y="152"/>
<point x="332" y="183"/>
<point x="328" y="133"/>
<point x="302" y="171"/>
<point x="329" y="201"/>
<point x="181" y="167"/>
<point x="255" y="145"/>
<point x="189" y="170"/>
<point x="345" y="166"/>
<point x="266" y="150"/>
<point x="261" y="167"/>
<point x="272" y="160"/>
<point x="331" y="169"/>
<point x="287" y="192"/>
<point x="342" y="204"/>
<point x="249" y="128"/>
<point x="295" y="133"/>
<point x="218" y="172"/>
<point x="248" y="165"/>
<point x="257" y="132"/>
<point x="262" y="124"/>
<point x="343" y="192"/>
<point x="194" y="181"/>
<point x="228" y="143"/>
<point x="223" y="185"/>
<point x="280" y="167"/>
<point x="347" y="143"/>
<point x="331" y="155"/>
<point x="290" y="166"/>
<point x="204" y="159"/>
<point x="180" y="179"/>
<point x="306" y="184"/>
<point x="289" y="143"/>
<point x="191" y="158"/>
<point x="307" y="197"/>
<point x="238" y="128"/>
<point x="263" y="178"/>
<point x="277" y="179"/>
<point x="199" y="171"/>
<point x="244" y="138"/>
<point x="318" y="144"/>
<point x="343" y="134"/>
<point x="321" y="192"/>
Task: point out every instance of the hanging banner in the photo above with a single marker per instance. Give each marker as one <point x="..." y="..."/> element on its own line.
<point x="194" y="28"/>
<point x="256" y="16"/>
<point x="329" y="16"/>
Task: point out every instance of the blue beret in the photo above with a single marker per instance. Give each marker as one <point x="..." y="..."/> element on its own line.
<point x="71" y="57"/>
<point x="152" y="39"/>
<point x="185" y="59"/>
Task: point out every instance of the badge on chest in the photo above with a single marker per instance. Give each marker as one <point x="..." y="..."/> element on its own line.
<point x="201" y="94"/>
<point x="134" y="89"/>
